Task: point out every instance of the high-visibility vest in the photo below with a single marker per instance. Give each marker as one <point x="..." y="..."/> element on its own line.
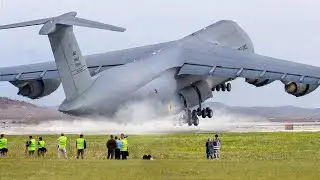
<point x="3" y="143"/>
<point x="41" y="144"/>
<point x="80" y="143"/>
<point x="62" y="142"/>
<point x="124" y="144"/>
<point x="32" y="145"/>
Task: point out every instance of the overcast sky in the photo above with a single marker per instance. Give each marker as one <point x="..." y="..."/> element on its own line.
<point x="287" y="29"/>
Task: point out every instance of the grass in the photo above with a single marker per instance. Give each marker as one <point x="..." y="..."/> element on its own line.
<point x="177" y="156"/>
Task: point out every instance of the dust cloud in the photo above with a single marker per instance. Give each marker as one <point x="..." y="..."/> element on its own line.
<point x="135" y="118"/>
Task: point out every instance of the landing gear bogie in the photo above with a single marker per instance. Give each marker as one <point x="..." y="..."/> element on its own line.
<point x="222" y="87"/>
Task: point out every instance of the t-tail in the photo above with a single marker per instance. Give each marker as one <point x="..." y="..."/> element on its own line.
<point x="71" y="65"/>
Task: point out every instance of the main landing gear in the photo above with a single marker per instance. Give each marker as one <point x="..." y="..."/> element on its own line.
<point x="191" y="117"/>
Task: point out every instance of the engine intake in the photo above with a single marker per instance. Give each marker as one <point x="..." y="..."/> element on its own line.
<point x="258" y="82"/>
<point x="37" y="88"/>
<point x="299" y="89"/>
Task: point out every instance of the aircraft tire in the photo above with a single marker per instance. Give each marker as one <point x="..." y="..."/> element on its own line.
<point x="203" y="113"/>
<point x="199" y="112"/>
<point x="195" y="121"/>
<point x="218" y="88"/>
<point x="223" y="87"/>
<point x="209" y="113"/>
<point x="228" y="87"/>
<point x="194" y="113"/>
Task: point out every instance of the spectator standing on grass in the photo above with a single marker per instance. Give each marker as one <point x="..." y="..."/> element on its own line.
<point x="31" y="146"/>
<point x="41" y="147"/>
<point x="117" y="149"/>
<point x="209" y="149"/>
<point x="111" y="146"/>
<point x="81" y="146"/>
<point x="62" y="144"/>
<point x="124" y="147"/>
<point x="216" y="146"/>
<point x="3" y="145"/>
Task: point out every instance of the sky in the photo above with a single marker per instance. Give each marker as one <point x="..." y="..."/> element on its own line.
<point x="286" y="29"/>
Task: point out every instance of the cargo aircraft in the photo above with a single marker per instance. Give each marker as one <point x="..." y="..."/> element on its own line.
<point x="178" y="75"/>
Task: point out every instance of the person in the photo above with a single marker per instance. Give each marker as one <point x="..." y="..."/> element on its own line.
<point x="31" y="146"/>
<point x="117" y="149"/>
<point x="216" y="147"/>
<point x="41" y="147"/>
<point x="111" y="145"/>
<point x="209" y="148"/>
<point x="124" y="147"/>
<point x="81" y="146"/>
<point x="62" y="144"/>
<point x="3" y="145"/>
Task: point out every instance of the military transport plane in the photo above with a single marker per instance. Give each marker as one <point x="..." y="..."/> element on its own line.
<point x="180" y="74"/>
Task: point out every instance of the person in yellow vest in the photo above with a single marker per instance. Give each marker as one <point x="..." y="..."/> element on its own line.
<point x="81" y="146"/>
<point x="62" y="146"/>
<point x="3" y="145"/>
<point x="41" y="147"/>
<point x="31" y="146"/>
<point x="124" y="147"/>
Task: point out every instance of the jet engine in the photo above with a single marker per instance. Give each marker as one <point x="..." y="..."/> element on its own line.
<point x="195" y="94"/>
<point x="299" y="89"/>
<point x="258" y="82"/>
<point x="35" y="89"/>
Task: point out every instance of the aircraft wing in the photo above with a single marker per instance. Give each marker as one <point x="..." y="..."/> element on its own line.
<point x="230" y="63"/>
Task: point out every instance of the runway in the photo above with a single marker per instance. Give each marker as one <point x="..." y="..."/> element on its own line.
<point x="89" y="126"/>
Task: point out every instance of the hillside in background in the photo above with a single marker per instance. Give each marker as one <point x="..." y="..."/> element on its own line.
<point x="23" y="111"/>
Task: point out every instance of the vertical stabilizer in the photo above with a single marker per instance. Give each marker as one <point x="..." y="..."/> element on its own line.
<point x="71" y="64"/>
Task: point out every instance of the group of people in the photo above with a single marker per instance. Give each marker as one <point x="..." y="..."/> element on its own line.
<point x="213" y="147"/>
<point x="117" y="147"/>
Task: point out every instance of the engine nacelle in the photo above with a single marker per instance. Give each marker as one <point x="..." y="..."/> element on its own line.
<point x="35" y="89"/>
<point x="195" y="94"/>
<point x="299" y="89"/>
<point x="258" y="82"/>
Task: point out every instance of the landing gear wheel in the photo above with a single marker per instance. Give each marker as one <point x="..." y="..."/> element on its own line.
<point x="199" y="112"/>
<point x="223" y="87"/>
<point x="209" y="113"/>
<point x="203" y="113"/>
<point x="218" y="88"/>
<point x="189" y="118"/>
<point x="194" y="113"/>
<point x="228" y="87"/>
<point x="195" y="121"/>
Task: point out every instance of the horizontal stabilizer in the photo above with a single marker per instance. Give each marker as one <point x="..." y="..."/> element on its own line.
<point x="25" y="24"/>
<point x="67" y="19"/>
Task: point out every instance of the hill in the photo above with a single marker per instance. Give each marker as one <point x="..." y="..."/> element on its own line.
<point x="22" y="111"/>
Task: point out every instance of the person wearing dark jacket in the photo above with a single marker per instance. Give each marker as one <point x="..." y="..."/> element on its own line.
<point x="111" y="145"/>
<point x="209" y="149"/>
